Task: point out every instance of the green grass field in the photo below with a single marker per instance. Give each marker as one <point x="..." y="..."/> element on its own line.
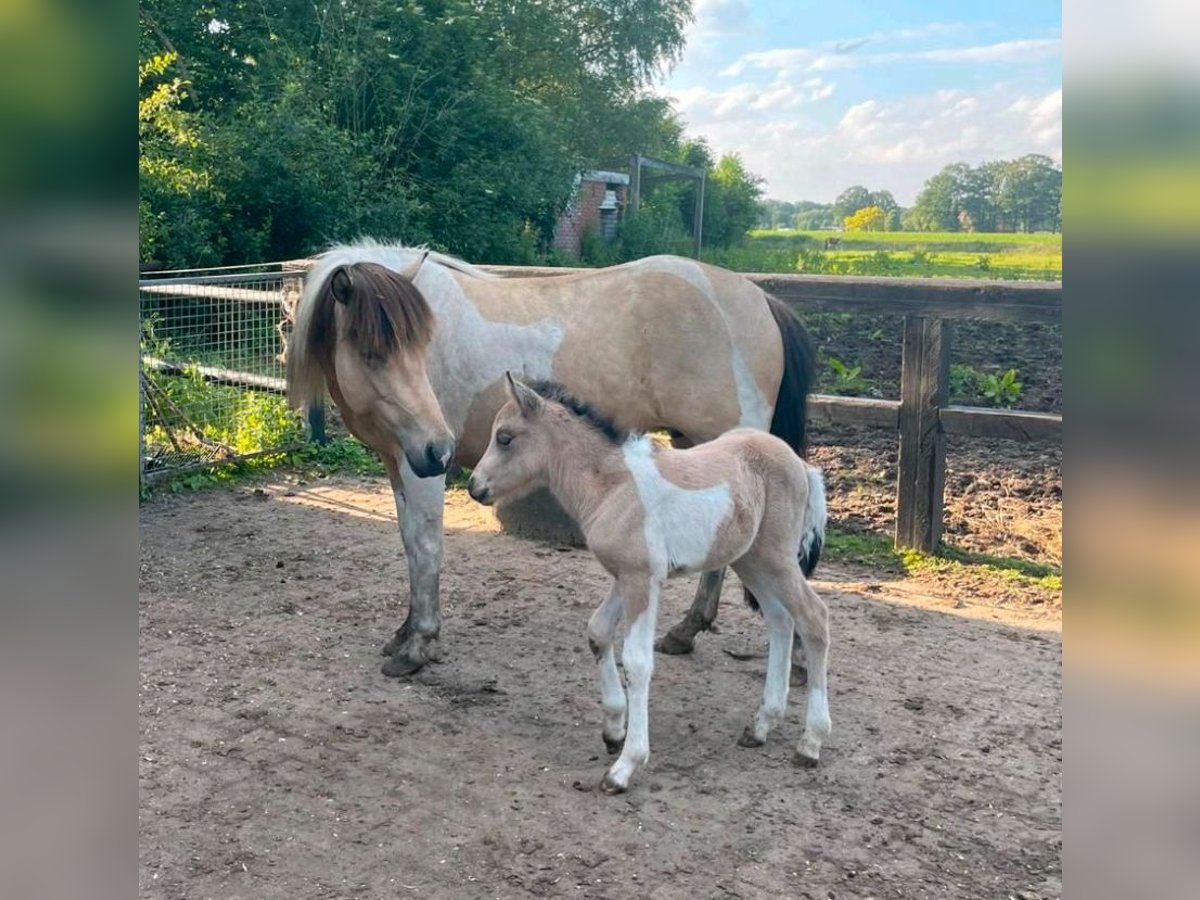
<point x="1016" y="257"/>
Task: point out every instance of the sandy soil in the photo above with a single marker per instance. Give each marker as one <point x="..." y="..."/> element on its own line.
<point x="275" y="760"/>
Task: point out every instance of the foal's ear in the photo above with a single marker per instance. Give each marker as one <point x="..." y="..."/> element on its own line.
<point x="524" y="396"/>
<point x="410" y="271"/>
<point x="341" y="284"/>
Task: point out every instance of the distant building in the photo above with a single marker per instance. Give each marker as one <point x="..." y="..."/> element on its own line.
<point x="598" y="203"/>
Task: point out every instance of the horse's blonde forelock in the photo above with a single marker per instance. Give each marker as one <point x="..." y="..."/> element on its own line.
<point x="386" y="311"/>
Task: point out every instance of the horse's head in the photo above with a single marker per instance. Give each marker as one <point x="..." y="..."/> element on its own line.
<point x="519" y="452"/>
<point x="367" y="332"/>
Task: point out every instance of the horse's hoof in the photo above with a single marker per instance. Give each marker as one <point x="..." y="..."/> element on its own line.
<point x="611" y="786"/>
<point x="799" y="675"/>
<point x="750" y="739"/>
<point x="390" y="647"/>
<point x="400" y="665"/>
<point x="673" y="645"/>
<point x="802" y="760"/>
<point x="613" y="745"/>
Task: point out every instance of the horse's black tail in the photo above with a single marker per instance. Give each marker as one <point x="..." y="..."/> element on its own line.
<point x="799" y="371"/>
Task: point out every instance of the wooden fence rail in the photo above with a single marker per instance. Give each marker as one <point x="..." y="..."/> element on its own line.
<point x="922" y="416"/>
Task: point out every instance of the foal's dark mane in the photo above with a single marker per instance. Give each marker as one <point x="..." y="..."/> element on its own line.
<point x="552" y="390"/>
<point x="385" y="311"/>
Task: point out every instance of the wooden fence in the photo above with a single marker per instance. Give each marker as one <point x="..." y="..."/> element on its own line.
<point x="922" y="416"/>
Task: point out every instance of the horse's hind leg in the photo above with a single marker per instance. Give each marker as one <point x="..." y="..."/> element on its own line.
<point x="769" y="592"/>
<point x="700" y="617"/>
<point x="812" y="625"/>
<point x="602" y="631"/>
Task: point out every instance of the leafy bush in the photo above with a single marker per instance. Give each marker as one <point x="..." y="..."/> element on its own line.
<point x="975" y="388"/>
<point x="847" y="380"/>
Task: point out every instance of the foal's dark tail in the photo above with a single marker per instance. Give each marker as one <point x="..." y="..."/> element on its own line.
<point x="799" y="371"/>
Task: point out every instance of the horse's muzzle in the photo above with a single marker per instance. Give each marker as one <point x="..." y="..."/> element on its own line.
<point x="478" y="494"/>
<point x="433" y="460"/>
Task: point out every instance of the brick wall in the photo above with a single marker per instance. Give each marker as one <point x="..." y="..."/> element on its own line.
<point x="583" y="213"/>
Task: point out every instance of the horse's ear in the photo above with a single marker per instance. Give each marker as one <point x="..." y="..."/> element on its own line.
<point x="524" y="396"/>
<point x="341" y="284"/>
<point x="410" y="271"/>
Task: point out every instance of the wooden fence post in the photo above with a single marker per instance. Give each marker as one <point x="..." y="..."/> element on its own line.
<point x="921" y="474"/>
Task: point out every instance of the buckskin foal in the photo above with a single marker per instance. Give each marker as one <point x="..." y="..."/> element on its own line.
<point x="744" y="500"/>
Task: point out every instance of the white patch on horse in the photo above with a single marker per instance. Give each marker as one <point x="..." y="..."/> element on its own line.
<point x="469" y="353"/>
<point x="681" y="525"/>
<point x="753" y="407"/>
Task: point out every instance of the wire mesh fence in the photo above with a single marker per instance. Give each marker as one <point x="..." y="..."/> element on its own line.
<point x="212" y="368"/>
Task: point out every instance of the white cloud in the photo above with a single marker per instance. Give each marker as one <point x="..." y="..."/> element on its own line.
<point x="713" y="18"/>
<point x="787" y="61"/>
<point x="895" y="145"/>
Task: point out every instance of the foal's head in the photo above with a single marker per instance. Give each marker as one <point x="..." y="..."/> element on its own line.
<point x="537" y="426"/>
<point x="368" y="331"/>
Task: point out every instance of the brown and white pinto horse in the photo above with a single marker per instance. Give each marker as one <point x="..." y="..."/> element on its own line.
<point x="413" y="347"/>
<point x="743" y="500"/>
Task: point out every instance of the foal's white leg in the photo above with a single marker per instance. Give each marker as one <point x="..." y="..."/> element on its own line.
<point x="602" y="631"/>
<point x="638" y="657"/>
<point x="780" y="628"/>
<point x="812" y="624"/>
<point x="419" y="507"/>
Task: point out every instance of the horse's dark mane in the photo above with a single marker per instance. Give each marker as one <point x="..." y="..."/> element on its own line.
<point x="552" y="390"/>
<point x="385" y="311"/>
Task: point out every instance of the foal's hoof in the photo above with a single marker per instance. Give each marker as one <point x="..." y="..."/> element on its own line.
<point x="750" y="739"/>
<point x="799" y="675"/>
<point x="674" y="645"/>
<point x="802" y="760"/>
<point x="613" y="745"/>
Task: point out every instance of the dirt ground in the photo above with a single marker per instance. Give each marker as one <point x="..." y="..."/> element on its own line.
<point x="276" y="761"/>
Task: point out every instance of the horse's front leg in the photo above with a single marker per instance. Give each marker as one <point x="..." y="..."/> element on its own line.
<point x="700" y="617"/>
<point x="419" y="506"/>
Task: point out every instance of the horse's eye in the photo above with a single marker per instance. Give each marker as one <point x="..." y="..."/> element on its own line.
<point x="503" y="438"/>
<point x="372" y="359"/>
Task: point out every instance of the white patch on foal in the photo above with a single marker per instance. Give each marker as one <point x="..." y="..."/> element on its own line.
<point x="681" y="525"/>
<point x="753" y="408"/>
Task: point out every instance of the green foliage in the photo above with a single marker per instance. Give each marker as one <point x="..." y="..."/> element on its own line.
<point x="877" y="552"/>
<point x="971" y="386"/>
<point x="1007" y="256"/>
<point x="1016" y="195"/>
<point x="460" y="123"/>
<point x="1002" y="390"/>
<point x="847" y="380"/>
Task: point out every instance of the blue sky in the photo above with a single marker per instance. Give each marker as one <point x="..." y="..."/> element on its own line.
<point x="817" y="96"/>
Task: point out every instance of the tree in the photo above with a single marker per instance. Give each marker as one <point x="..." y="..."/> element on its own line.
<point x="850" y="201"/>
<point x="456" y="122"/>
<point x="869" y="218"/>
<point x="1029" y="193"/>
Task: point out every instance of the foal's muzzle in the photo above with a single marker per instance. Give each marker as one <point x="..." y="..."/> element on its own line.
<point x="432" y="459"/>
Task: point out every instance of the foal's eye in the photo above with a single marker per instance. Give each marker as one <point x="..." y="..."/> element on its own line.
<point x="372" y="359"/>
<point x="503" y="438"/>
